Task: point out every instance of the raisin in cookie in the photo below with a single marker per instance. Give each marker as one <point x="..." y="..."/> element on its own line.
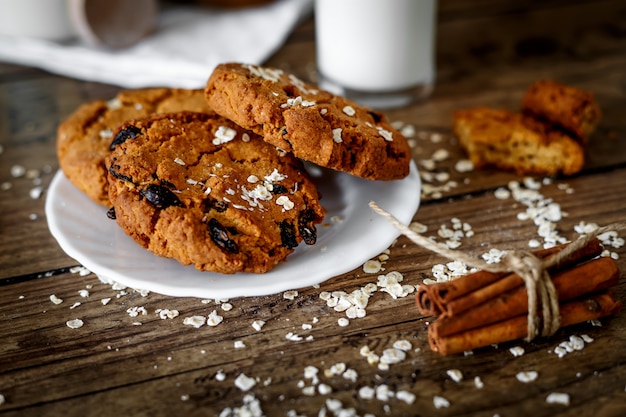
<point x="313" y="124"/>
<point x="84" y="138"/>
<point x="200" y="189"/>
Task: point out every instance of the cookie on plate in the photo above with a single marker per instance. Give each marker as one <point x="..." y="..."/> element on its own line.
<point x="198" y="188"/>
<point x="514" y="142"/>
<point x="570" y="108"/>
<point x="83" y="139"/>
<point x="313" y="124"/>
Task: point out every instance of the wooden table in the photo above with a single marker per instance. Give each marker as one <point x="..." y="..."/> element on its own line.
<point x="488" y="53"/>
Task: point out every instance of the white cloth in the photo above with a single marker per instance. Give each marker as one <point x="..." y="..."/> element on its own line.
<point x="187" y="45"/>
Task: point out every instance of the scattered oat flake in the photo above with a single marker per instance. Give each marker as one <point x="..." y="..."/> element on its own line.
<point x="517" y="351"/>
<point x="455" y="374"/>
<point x="502" y="193"/>
<point x="18" y="171"/>
<point x="214" y="319"/>
<point x="366" y="393"/>
<point x="136" y="311"/>
<point x="244" y="382"/>
<point x="463" y="166"/>
<point x="167" y="313"/>
<point x="195" y="321"/>
<point x="526" y="376"/>
<point x="558" y="398"/>
<point x="372" y="267"/>
<point x="55" y="299"/>
<point x="440" y="402"/>
<point x="392" y="356"/>
<point x="405" y="396"/>
<point x="290" y="295"/>
<point x="440" y="155"/>
<point x="36" y="192"/>
<point x="293" y="337"/>
<point x="343" y="322"/>
<point x="74" y="324"/>
<point x="239" y="344"/>
<point x="324" y="389"/>
<point x="105" y="301"/>
<point x="402" y="344"/>
<point x="258" y="325"/>
<point x="478" y="382"/>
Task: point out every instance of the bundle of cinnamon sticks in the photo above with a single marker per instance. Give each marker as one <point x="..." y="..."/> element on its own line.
<point x="486" y="308"/>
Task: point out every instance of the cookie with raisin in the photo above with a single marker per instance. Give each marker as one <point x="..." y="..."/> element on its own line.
<point x="313" y="124"/>
<point x="200" y="189"/>
<point x="84" y="138"/>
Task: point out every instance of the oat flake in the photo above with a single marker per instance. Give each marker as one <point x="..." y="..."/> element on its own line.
<point x="558" y="398"/>
<point x="55" y="299"/>
<point x="74" y="324"/>
<point x="244" y="382"/>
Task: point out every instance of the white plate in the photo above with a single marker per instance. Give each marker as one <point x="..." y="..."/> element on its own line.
<point x="86" y="234"/>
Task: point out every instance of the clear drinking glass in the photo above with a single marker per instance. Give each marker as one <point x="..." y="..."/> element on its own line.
<point x="380" y="53"/>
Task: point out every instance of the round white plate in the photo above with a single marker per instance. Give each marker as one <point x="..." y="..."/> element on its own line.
<point x="350" y="235"/>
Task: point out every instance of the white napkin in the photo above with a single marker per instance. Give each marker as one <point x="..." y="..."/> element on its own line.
<point x="187" y="45"/>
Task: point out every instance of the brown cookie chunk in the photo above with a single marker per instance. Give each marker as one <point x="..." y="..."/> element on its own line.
<point x="313" y="124"/>
<point x="573" y="110"/>
<point x="83" y="139"/>
<point x="515" y="142"/>
<point x="198" y="188"/>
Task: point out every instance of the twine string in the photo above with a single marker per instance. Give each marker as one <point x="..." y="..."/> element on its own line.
<point x="531" y="269"/>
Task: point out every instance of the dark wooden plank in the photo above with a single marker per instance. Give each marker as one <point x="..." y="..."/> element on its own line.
<point x="111" y="361"/>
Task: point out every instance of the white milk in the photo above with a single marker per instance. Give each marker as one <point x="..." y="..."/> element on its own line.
<point x="376" y="46"/>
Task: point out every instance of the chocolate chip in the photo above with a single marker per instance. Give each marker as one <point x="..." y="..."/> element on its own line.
<point x="111" y="213"/>
<point x="288" y="234"/>
<point x="160" y="197"/>
<point x="219" y="235"/>
<point x="306" y="227"/>
<point x="129" y="132"/>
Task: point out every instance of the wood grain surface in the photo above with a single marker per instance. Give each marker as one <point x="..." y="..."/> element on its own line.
<point x="122" y="364"/>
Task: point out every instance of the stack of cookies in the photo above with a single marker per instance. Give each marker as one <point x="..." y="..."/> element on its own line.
<point x="215" y="178"/>
<point x="547" y="137"/>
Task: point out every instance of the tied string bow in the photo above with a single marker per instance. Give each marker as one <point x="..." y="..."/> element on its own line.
<point x="530" y="268"/>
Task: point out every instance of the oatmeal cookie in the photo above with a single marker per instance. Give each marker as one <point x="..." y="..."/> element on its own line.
<point x="570" y="108"/>
<point x="83" y="139"/>
<point x="198" y="188"/>
<point x="313" y="124"/>
<point x="515" y="142"/>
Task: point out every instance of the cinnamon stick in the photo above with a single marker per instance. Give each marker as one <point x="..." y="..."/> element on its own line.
<point x="572" y="312"/>
<point x="587" y="278"/>
<point x="473" y="289"/>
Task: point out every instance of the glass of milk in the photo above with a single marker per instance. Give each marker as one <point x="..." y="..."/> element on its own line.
<point x="379" y="53"/>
